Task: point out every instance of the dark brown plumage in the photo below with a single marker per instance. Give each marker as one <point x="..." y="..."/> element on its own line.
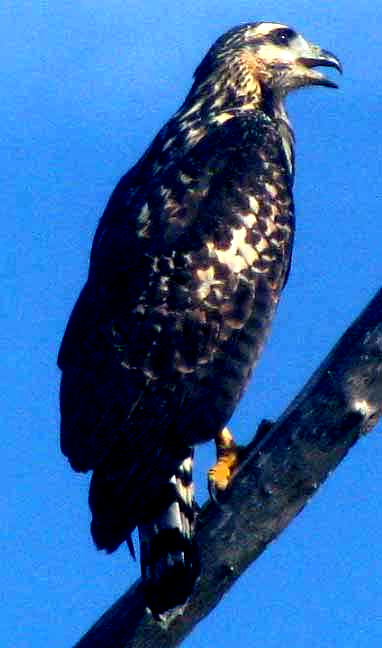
<point x="186" y="270"/>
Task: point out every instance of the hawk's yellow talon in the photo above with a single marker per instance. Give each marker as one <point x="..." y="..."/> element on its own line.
<point x="219" y="475"/>
<point x="227" y="452"/>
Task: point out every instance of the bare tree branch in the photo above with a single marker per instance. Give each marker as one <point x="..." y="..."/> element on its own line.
<point x="282" y="467"/>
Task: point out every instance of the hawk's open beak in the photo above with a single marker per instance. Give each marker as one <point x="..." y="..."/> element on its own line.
<point x="313" y="57"/>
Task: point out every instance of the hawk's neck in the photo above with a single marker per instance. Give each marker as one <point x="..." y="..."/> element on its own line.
<point x="230" y="90"/>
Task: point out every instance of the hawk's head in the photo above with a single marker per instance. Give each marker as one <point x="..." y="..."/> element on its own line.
<point x="270" y="55"/>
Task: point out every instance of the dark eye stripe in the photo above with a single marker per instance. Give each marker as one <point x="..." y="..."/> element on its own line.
<point x="282" y="36"/>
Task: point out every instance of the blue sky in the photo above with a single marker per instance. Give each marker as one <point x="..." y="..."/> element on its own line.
<point x="85" y="86"/>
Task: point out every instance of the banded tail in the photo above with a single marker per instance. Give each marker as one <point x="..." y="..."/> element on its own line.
<point x="169" y="558"/>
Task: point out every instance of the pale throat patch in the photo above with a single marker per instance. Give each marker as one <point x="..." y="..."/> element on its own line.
<point x="285" y="131"/>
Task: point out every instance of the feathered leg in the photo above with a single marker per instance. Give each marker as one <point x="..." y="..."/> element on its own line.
<point x="169" y="559"/>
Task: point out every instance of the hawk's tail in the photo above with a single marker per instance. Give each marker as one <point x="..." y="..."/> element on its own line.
<point x="169" y="559"/>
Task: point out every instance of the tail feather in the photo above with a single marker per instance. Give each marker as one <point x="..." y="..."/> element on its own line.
<point x="169" y="558"/>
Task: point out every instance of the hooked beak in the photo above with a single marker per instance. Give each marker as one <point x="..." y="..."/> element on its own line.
<point x="313" y="57"/>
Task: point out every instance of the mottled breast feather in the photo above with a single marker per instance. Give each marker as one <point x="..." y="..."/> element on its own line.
<point x="186" y="270"/>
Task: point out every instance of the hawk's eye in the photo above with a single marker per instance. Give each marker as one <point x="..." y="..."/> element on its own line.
<point x="282" y="36"/>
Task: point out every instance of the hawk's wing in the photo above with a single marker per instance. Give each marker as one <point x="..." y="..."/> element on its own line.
<point x="186" y="269"/>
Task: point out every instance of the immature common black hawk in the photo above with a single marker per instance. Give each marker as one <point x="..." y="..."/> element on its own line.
<point x="186" y="269"/>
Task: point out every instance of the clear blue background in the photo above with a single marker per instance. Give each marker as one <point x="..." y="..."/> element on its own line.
<point x="84" y="87"/>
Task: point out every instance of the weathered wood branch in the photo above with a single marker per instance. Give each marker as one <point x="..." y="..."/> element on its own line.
<point x="283" y="466"/>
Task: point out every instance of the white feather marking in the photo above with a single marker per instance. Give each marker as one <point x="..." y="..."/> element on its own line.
<point x="208" y="281"/>
<point x="248" y="219"/>
<point x="240" y="254"/>
<point x="222" y="117"/>
<point x="271" y="189"/>
<point x="253" y="204"/>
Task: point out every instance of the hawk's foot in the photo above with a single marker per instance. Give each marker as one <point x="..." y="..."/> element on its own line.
<point x="227" y="455"/>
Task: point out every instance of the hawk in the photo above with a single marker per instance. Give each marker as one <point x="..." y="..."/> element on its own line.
<point x="186" y="270"/>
